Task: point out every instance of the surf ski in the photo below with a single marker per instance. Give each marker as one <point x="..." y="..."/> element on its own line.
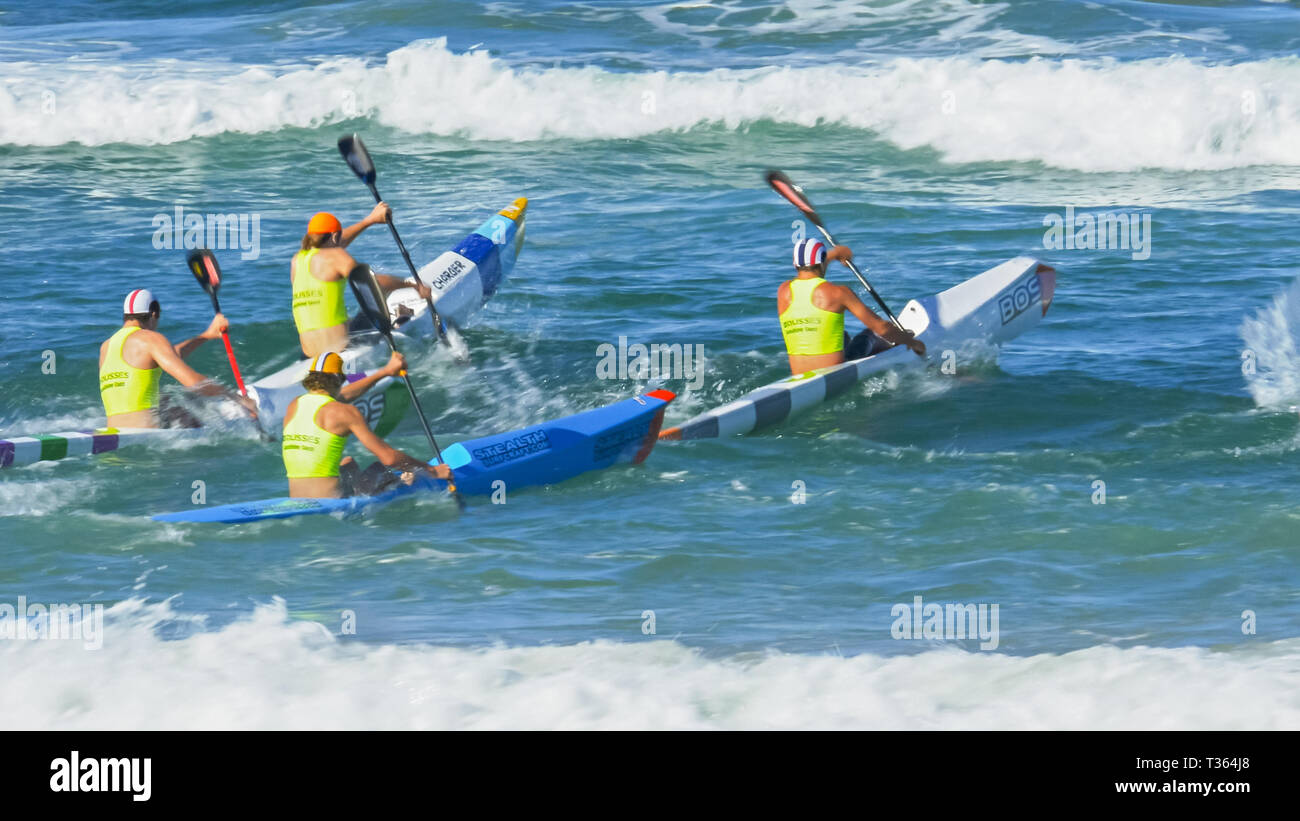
<point x="993" y="307"/>
<point x="28" y="450"/>
<point x="543" y="454"/>
<point x="462" y="279"/>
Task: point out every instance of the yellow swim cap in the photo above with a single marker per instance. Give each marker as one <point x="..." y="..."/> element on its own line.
<point x="328" y="362"/>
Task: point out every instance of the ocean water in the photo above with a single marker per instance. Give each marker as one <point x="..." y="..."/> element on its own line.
<point x="1121" y="482"/>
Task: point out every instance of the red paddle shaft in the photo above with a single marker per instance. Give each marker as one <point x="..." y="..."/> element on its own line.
<point x="234" y="366"/>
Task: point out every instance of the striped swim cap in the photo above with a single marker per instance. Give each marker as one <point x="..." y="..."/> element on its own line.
<point x="809" y="252"/>
<point x="139" y="301"/>
<point x="328" y="362"/>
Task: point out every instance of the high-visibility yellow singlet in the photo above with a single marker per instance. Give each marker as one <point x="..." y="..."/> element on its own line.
<point x="310" y="452"/>
<point x="809" y="330"/>
<point x="316" y="304"/>
<point x="126" y="388"/>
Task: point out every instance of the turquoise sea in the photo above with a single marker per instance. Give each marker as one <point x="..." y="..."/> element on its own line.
<point x="1122" y="482"/>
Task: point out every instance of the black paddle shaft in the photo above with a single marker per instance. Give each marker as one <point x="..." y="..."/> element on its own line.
<point x="424" y="423"/>
<point x="371" y="299"/>
<point x="401" y="246"/>
<point x="358" y="159"/>
<point x="795" y="195"/>
<point x="415" y="400"/>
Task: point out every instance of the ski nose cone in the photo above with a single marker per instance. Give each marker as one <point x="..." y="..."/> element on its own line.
<point x="1047" y="283"/>
<point x="516" y="209"/>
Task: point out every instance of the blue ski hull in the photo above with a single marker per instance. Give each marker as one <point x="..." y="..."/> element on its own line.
<point x="542" y="454"/>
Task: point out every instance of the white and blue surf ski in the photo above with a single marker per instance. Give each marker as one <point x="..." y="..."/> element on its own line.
<point x="990" y="308"/>
<point x="462" y="279"/>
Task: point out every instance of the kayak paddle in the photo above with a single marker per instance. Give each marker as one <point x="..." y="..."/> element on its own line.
<point x="371" y="298"/>
<point x="785" y="186"/>
<point x="354" y="151"/>
<point x="203" y="264"/>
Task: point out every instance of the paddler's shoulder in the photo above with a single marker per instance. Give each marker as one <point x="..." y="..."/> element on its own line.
<point x="146" y="338"/>
<point x="332" y="263"/>
<point x="831" y="293"/>
<point x="345" y="409"/>
<point x="144" y="347"/>
<point x="341" y="416"/>
<point x="783" y="297"/>
<point x="332" y="251"/>
<point x="319" y="254"/>
<point x="338" y="408"/>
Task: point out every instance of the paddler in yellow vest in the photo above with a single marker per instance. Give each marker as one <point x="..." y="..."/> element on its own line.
<point x="812" y="314"/>
<point x="319" y="274"/>
<point x="132" y="361"/>
<point x="316" y="426"/>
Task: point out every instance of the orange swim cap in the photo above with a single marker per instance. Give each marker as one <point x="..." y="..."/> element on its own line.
<point x="324" y="223"/>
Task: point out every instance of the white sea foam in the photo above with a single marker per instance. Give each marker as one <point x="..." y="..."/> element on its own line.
<point x="930" y="24"/>
<point x="269" y="671"/>
<point x="219" y="417"/>
<point x="39" y="495"/>
<point x="1271" y="359"/>
<point x="1082" y="114"/>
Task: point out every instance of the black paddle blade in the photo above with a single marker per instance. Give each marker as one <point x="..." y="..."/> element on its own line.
<point x="354" y="151"/>
<point x="785" y="186"/>
<point x="203" y="264"/>
<point x="371" y="297"/>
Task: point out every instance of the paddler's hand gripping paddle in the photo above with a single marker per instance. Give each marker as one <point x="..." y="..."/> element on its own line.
<point x="354" y="151"/>
<point x="371" y="298"/>
<point x="203" y="264"/>
<point x="785" y="186"/>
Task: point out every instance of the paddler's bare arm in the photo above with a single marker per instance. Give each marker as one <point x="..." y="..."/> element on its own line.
<point x="218" y="325"/>
<point x="339" y="262"/>
<point x="392" y="283"/>
<point x="850" y="302"/>
<point x="396" y="364"/>
<point x="388" y="455"/>
<point x="171" y="361"/>
<point x="377" y="216"/>
<point x="885" y="330"/>
<point x="839" y="252"/>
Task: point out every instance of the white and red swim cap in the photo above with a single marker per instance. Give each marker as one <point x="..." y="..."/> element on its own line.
<point x="139" y="301"/>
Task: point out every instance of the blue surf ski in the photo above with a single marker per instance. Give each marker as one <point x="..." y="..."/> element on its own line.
<point x="542" y="454"/>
